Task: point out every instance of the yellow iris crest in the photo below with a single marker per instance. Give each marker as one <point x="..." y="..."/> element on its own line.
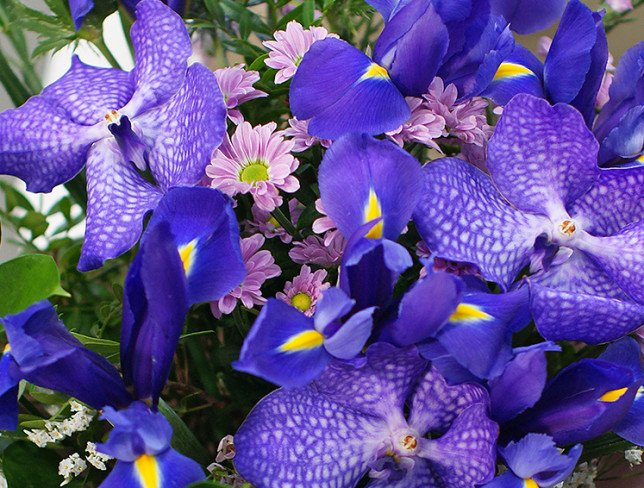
<point x="376" y="71"/>
<point x="613" y="395"/>
<point x="147" y="469"/>
<point x="530" y="483"/>
<point x="309" y="339"/>
<point x="512" y="70"/>
<point x="187" y="253"/>
<point x="373" y="211"/>
<point x="467" y="312"/>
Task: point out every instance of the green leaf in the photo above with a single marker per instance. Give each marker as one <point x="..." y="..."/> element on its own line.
<point x="258" y="63"/>
<point x="104" y="347"/>
<point x="14" y="198"/>
<point x="183" y="440"/>
<point x="26" y="466"/>
<point x="35" y="222"/>
<point x="606" y="444"/>
<point x="308" y="13"/>
<point x="27" y="280"/>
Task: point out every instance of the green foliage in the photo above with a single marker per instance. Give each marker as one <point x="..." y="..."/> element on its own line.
<point x="26" y="466"/>
<point x="26" y="280"/>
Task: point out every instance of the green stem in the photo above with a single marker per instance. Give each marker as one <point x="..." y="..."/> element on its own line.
<point x="613" y="19"/>
<point x="105" y="51"/>
<point x="285" y="222"/>
<point x="240" y="321"/>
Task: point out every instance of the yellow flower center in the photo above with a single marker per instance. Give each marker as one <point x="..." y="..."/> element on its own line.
<point x="301" y="301"/>
<point x="254" y="172"/>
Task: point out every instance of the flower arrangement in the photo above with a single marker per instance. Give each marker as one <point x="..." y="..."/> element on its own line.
<point x="326" y="244"/>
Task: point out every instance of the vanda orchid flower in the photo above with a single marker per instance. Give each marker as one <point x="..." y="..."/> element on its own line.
<point x="162" y="116"/>
<point x="343" y="91"/>
<point x="547" y="205"/>
<point x="351" y="422"/>
<point x="80" y="8"/>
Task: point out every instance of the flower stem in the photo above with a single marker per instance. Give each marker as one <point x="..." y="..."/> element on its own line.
<point x="285" y="222"/>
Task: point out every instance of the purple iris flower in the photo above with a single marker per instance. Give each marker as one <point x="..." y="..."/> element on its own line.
<point x="351" y="422"/>
<point x="42" y="351"/>
<point x="80" y="8"/>
<point x="589" y="398"/>
<point x="472" y="326"/>
<point x="535" y="461"/>
<point x="140" y="442"/>
<point x="620" y="124"/>
<point x="163" y="117"/>
<point x="369" y="188"/>
<point x="528" y="16"/>
<point x="343" y="91"/>
<point x="547" y="205"/>
<point x="573" y="69"/>
<point x="189" y="253"/>
<point x="283" y="339"/>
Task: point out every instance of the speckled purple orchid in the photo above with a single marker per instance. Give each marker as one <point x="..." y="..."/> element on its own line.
<point x="162" y="116"/>
<point x="351" y="422"/>
<point x="547" y="205"/>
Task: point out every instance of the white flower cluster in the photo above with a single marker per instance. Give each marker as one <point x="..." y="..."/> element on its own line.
<point x="56" y="431"/>
<point x="633" y="456"/>
<point x="70" y="467"/>
<point x="583" y="477"/>
<point x="95" y="458"/>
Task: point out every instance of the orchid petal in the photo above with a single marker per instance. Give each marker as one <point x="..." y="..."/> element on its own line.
<point x="117" y="201"/>
<point x="542" y="158"/>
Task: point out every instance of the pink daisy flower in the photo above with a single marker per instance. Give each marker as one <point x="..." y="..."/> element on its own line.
<point x="256" y="160"/>
<point x="467" y="121"/>
<point x="543" y="46"/>
<point x="260" y="266"/>
<point x="289" y="46"/>
<point x="305" y="290"/>
<point x="236" y="85"/>
<point x="423" y="126"/>
<point x="265" y="223"/>
<point x="313" y="250"/>
<point x="298" y="130"/>
<point x="620" y="5"/>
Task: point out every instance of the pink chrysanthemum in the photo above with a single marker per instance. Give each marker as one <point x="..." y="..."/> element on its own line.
<point x="265" y="223"/>
<point x="324" y="225"/>
<point x="298" y="130"/>
<point x="305" y="290"/>
<point x="289" y="46"/>
<point x="260" y="266"/>
<point x="423" y="126"/>
<point x="313" y="250"/>
<point x="467" y="121"/>
<point x="620" y="5"/>
<point x="440" y="264"/>
<point x="236" y="84"/>
<point x="543" y="46"/>
<point x="603" y="94"/>
<point x="257" y="160"/>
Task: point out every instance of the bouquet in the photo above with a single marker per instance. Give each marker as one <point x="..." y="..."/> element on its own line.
<point x="323" y="244"/>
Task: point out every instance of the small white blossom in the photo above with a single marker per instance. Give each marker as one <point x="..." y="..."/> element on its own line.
<point x="583" y="477"/>
<point x="226" y="449"/>
<point x="39" y="437"/>
<point x="95" y="458"/>
<point x="70" y="467"/>
<point x="633" y="456"/>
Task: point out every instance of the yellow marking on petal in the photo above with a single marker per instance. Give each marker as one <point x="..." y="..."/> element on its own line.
<point x="530" y="483"/>
<point x="466" y="312"/>
<point x="147" y="469"/>
<point x="640" y="158"/>
<point x="373" y="211"/>
<point x="301" y="301"/>
<point x="7" y="348"/>
<point x="613" y="395"/>
<point x="309" y="339"/>
<point x="512" y="70"/>
<point x="254" y="172"/>
<point x="375" y="71"/>
<point x="187" y="254"/>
